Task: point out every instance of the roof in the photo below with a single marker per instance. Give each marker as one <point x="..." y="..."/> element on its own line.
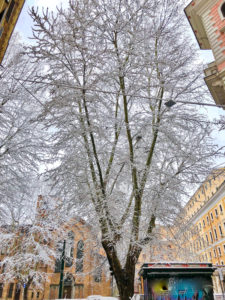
<point x="165" y="269"/>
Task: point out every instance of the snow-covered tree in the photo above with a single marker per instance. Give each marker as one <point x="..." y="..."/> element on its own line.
<point x="29" y="249"/>
<point x="125" y="161"/>
<point x="20" y="140"/>
<point x="24" y="237"/>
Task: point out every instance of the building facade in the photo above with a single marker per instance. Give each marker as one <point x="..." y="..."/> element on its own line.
<point x="203" y="233"/>
<point x="199" y="234"/>
<point x="207" y="19"/>
<point x="205" y="220"/>
<point x="82" y="271"/>
<point x="9" y="13"/>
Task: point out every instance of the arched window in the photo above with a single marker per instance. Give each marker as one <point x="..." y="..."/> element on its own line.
<point x="98" y="274"/>
<point x="59" y="251"/>
<point x="80" y="257"/>
<point x="223" y="9"/>
<point x="69" y="249"/>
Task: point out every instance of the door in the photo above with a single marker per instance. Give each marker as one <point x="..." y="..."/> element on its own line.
<point x="67" y="292"/>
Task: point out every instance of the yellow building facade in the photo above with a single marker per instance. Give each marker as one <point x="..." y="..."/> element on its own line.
<point x="9" y="13"/>
<point x="205" y="221"/>
<point x="198" y="235"/>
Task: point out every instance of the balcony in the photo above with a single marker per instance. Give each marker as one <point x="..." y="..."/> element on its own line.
<point x="214" y="81"/>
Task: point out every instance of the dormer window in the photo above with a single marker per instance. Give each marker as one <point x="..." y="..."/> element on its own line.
<point x="223" y="9"/>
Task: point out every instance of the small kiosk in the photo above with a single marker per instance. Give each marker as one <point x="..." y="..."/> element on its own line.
<point x="176" y="281"/>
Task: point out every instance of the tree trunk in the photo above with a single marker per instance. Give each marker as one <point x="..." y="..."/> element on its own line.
<point x="125" y="285"/>
<point x="25" y="291"/>
<point x="124" y="277"/>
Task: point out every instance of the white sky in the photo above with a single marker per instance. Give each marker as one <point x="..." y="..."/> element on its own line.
<point x="24" y="26"/>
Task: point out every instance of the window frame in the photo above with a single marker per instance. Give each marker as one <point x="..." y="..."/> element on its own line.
<point x="211" y="236"/>
<point x="80" y="257"/>
<point x="220" y="230"/>
<point x="10" y="10"/>
<point x="216" y="213"/>
<point x="221" y="12"/>
<point x="211" y="215"/>
<point x="215" y="233"/>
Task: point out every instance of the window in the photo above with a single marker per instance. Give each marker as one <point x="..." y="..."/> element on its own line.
<point x="98" y="275"/>
<point x="57" y="265"/>
<point x="80" y="256"/>
<point x="2" y="15"/>
<point x="10" y="9"/>
<point x="1" y="289"/>
<point x="32" y="295"/>
<point x="59" y="250"/>
<point x="211" y="236"/>
<point x="223" y="9"/>
<point x="69" y="249"/>
<point x="224" y="248"/>
<point x="203" y="221"/>
<point x="211" y="214"/>
<point x="197" y="245"/>
<point x="214" y="250"/>
<point x="203" y="242"/>
<point x="210" y="255"/>
<point x="222" y="263"/>
<point x="38" y="294"/>
<point x="221" y="209"/>
<point x="219" y="251"/>
<point x="207" y="220"/>
<point x="10" y="291"/>
<point x="216" y="237"/>
<point x="216" y="213"/>
<point x="207" y="240"/>
<point x="220" y="229"/>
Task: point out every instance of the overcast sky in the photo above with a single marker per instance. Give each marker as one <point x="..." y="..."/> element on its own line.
<point x="24" y="26"/>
